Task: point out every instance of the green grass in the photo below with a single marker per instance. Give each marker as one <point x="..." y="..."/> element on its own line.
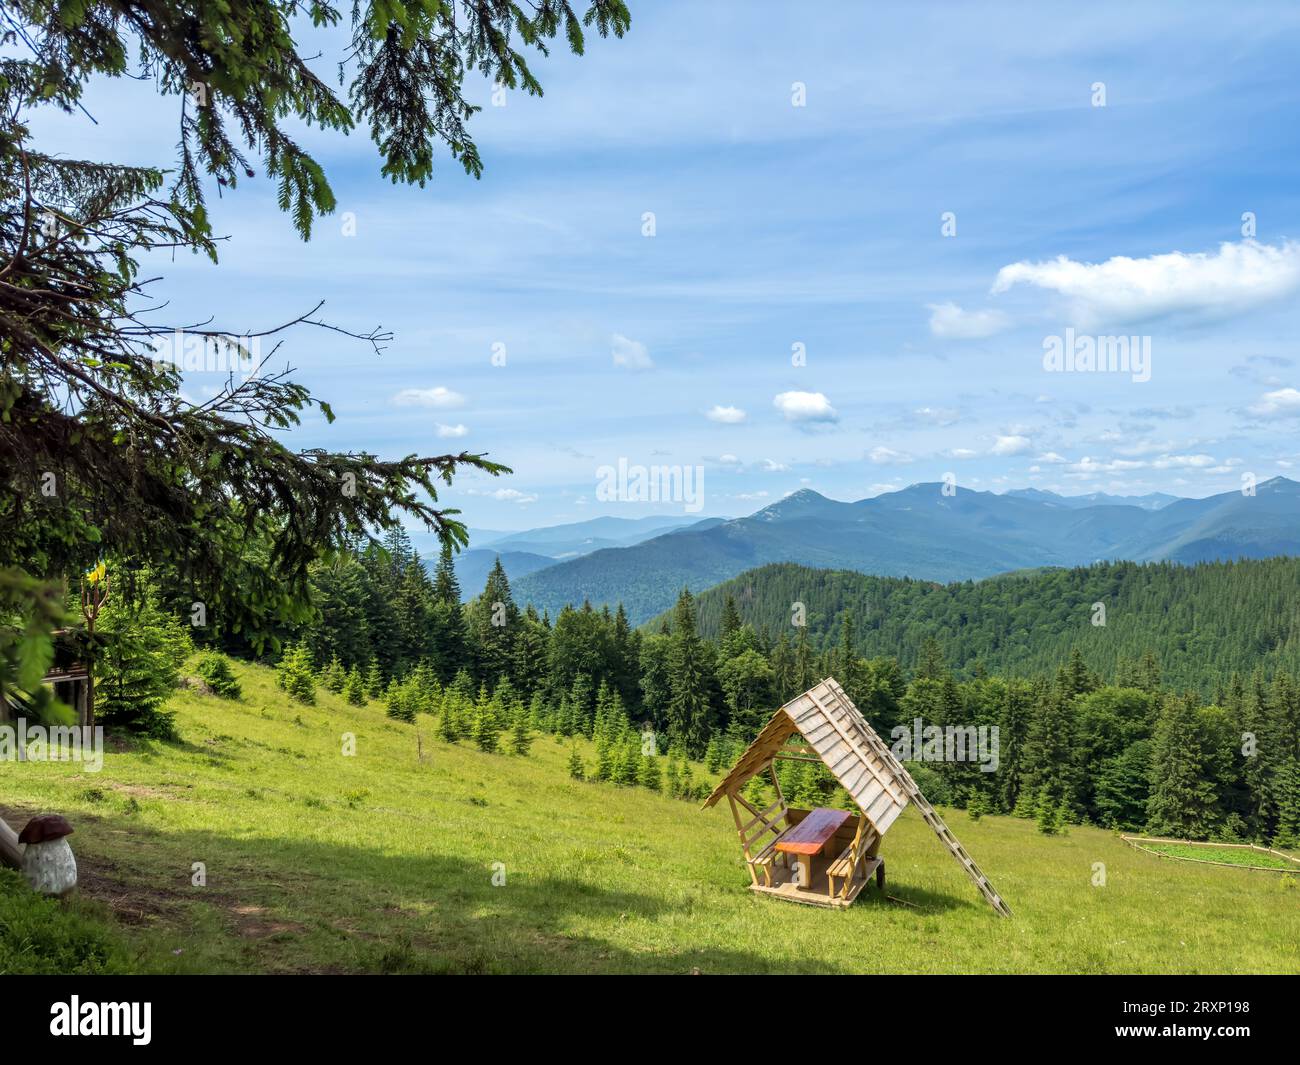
<point x="42" y="936"/>
<point x="1249" y="859"/>
<point x="382" y="863"/>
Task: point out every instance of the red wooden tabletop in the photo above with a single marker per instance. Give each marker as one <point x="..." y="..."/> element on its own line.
<point x="810" y="835"/>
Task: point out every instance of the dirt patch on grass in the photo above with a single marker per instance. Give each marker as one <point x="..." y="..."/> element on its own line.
<point x="131" y="903"/>
<point x="140" y="791"/>
<point x="251" y="922"/>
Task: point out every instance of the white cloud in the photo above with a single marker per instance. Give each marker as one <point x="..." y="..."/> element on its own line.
<point x="1122" y="289"/>
<point x="961" y="453"/>
<point x="1011" y="445"/>
<point x="428" y="397"/>
<point x="941" y="416"/>
<point x="949" y="320"/>
<point x="805" y="407"/>
<point x="887" y="456"/>
<point x="1182" y="462"/>
<point x="1283" y="403"/>
<point x="725" y="415"/>
<point x="751" y="495"/>
<point x="1052" y="457"/>
<point x="728" y="460"/>
<point x="770" y="466"/>
<point x="630" y="354"/>
<point x="1090" y="467"/>
<point x="452" y="431"/>
<point x="513" y="495"/>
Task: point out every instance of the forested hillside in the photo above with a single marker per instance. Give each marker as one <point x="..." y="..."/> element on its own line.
<point x="1204" y="622"/>
<point x="1120" y="746"/>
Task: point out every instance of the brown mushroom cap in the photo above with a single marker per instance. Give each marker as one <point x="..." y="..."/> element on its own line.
<point x="44" y="828"/>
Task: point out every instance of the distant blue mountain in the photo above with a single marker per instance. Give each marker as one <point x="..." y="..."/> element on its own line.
<point x="583" y="537"/>
<point x="472" y="567"/>
<point x="1151" y="501"/>
<point x="925" y="533"/>
<point x="526" y="552"/>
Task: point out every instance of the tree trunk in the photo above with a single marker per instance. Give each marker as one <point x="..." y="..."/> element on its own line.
<point x="11" y="851"/>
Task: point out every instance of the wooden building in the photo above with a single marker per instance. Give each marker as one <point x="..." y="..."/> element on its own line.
<point x="68" y="675"/>
<point x="824" y="857"/>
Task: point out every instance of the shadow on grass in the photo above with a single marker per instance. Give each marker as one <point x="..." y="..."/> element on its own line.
<point x="296" y="905"/>
<point x="916" y="900"/>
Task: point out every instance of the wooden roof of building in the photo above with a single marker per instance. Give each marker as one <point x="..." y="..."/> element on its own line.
<point x="850" y="748"/>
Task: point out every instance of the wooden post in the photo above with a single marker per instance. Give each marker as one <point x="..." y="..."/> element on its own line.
<point x="92" y="598"/>
<point x="11" y="851"/>
<point x="771" y="766"/>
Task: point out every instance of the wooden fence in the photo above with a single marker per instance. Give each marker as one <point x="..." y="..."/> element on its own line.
<point x="1137" y="841"/>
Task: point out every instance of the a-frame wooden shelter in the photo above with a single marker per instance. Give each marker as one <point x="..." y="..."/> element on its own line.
<point x="835" y="733"/>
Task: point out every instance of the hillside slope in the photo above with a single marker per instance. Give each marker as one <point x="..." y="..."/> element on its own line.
<point x="1204" y="621"/>
<point x="384" y="862"/>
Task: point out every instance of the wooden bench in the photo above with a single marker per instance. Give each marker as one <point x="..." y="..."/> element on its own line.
<point x="856" y="860"/>
<point x="764" y="860"/>
<point x="843" y="867"/>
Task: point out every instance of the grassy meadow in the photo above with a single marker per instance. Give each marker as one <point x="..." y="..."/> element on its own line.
<point x="385" y="861"/>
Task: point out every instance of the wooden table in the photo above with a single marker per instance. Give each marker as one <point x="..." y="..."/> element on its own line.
<point x="809" y="837"/>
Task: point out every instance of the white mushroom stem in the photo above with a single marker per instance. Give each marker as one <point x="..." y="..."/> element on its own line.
<point x="11" y="851"/>
<point x="50" y="867"/>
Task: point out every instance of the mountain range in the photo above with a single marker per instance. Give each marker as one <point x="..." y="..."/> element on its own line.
<point x="523" y="552"/>
<point x="927" y="531"/>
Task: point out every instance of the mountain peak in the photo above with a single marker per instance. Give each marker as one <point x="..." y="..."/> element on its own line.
<point x="803" y="503"/>
<point x="1279" y="484"/>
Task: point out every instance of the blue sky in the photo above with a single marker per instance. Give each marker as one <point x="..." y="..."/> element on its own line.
<point x="818" y="225"/>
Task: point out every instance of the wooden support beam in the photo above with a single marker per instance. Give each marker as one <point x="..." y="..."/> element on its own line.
<point x="771" y="768"/>
<point x="744" y="846"/>
<point x="762" y="816"/>
<point x="11" y="851"/>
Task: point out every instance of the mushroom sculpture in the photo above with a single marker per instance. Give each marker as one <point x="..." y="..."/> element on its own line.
<point x="48" y="863"/>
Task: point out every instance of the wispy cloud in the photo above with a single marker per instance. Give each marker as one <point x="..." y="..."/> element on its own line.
<point x="510" y="495"/>
<point x="1237" y="278"/>
<point x="1013" y="444"/>
<point x="630" y="354"/>
<point x="951" y="321"/>
<point x="725" y="415"/>
<point x="438" y="397"/>
<point x="941" y="416"/>
<point x="1281" y="403"/>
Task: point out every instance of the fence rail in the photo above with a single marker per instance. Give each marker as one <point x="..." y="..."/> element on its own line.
<point x="1137" y="841"/>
